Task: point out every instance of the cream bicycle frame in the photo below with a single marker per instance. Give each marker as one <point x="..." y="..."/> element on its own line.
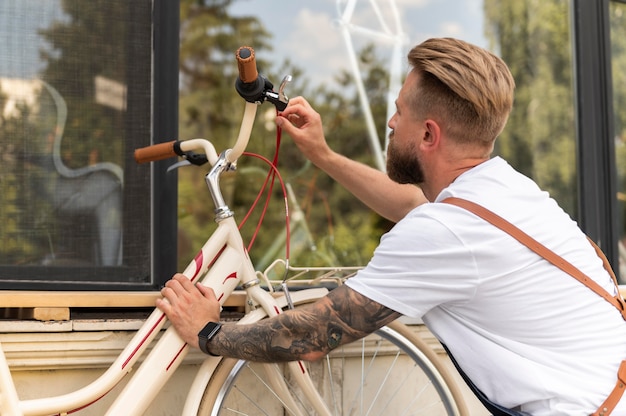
<point x="222" y="264"/>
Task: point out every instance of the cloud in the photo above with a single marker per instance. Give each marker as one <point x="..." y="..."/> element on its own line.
<point x="453" y="29"/>
<point x="312" y="38"/>
<point x="316" y="41"/>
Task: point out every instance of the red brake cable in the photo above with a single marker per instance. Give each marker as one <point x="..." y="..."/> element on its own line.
<point x="267" y="188"/>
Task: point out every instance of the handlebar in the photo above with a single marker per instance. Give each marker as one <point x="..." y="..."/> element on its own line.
<point x="180" y="148"/>
<point x="155" y="152"/>
<point x="252" y="87"/>
<point x="246" y="64"/>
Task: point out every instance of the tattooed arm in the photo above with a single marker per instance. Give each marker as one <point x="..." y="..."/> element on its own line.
<point x="306" y="333"/>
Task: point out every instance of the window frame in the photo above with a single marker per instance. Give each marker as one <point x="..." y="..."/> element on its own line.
<point x="165" y="128"/>
<point x="597" y="174"/>
<point x="163" y="193"/>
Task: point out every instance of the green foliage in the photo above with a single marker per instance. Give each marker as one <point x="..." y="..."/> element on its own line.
<point x="540" y="138"/>
<point x="618" y="59"/>
<point x="92" y="132"/>
<point x="339" y="229"/>
<point x="335" y="228"/>
<point x="91" y="41"/>
<point x="24" y="231"/>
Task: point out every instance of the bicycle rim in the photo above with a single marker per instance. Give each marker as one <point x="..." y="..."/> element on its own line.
<point x="386" y="373"/>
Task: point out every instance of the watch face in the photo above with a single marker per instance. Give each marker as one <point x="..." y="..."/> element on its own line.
<point x="210" y="330"/>
<point x="205" y="335"/>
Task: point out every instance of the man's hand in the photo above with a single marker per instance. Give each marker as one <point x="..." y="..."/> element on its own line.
<point x="188" y="307"/>
<point x="372" y="186"/>
<point x="304" y="125"/>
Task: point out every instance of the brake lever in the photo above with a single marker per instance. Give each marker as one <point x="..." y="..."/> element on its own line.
<point x="280" y="100"/>
<point x="178" y="165"/>
<point x="190" y="158"/>
<point x="281" y="89"/>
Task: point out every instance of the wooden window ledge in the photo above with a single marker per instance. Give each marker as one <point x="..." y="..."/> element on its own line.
<point x="57" y="305"/>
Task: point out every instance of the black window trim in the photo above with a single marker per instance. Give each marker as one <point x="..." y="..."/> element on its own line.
<point x="165" y="128"/>
<point x="597" y="177"/>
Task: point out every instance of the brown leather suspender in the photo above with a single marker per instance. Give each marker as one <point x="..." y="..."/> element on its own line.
<point x="609" y="404"/>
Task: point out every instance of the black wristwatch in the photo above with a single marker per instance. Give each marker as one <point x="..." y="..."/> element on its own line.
<point x="205" y="335"/>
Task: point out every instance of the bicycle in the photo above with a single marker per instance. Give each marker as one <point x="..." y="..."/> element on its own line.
<point x="391" y="371"/>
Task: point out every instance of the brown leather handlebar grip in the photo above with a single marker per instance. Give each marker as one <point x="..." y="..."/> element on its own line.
<point x="155" y="152"/>
<point x="246" y="63"/>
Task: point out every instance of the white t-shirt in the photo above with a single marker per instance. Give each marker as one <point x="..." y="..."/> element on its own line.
<point x="526" y="333"/>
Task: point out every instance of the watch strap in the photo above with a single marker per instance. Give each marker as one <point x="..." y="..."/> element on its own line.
<point x="206" y="334"/>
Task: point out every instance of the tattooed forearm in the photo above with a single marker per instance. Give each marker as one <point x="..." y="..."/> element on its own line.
<point x="306" y="333"/>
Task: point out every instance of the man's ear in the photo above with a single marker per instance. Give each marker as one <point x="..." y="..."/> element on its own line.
<point x="432" y="134"/>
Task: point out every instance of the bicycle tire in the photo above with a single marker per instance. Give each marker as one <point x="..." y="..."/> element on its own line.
<point x="391" y="372"/>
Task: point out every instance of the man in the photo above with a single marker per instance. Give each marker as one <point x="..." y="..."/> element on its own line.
<point x="529" y="336"/>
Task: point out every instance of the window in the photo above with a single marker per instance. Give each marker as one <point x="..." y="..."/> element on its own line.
<point x="534" y="38"/>
<point x="76" y="97"/>
<point x="539" y="140"/>
<point x="618" y="60"/>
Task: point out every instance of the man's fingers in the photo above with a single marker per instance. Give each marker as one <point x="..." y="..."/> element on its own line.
<point x="206" y="291"/>
<point x="182" y="280"/>
<point x="179" y="289"/>
<point x="164" y="305"/>
<point x="299" y="100"/>
<point x="294" y="108"/>
<point x="296" y="120"/>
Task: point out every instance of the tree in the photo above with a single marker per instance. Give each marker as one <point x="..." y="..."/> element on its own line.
<point x="23" y="232"/>
<point x="95" y="43"/>
<point x="540" y="137"/>
<point x="346" y="231"/>
<point x="342" y="230"/>
<point x="91" y="44"/>
<point x="209" y="106"/>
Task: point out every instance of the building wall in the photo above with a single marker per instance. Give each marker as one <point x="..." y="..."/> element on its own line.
<point x="52" y="358"/>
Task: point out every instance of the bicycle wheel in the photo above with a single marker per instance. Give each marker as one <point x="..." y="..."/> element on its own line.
<point x="391" y="372"/>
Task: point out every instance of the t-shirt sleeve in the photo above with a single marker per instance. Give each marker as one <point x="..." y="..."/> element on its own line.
<point x="420" y="264"/>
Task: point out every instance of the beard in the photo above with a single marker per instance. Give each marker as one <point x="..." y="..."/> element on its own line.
<point x="403" y="167"/>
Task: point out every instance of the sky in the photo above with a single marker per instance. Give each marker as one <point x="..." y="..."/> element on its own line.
<point x="19" y="40"/>
<point x="310" y="31"/>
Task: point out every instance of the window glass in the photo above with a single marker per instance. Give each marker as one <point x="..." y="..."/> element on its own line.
<point x="618" y="57"/>
<point x="75" y="94"/>
<point x="534" y="39"/>
<point x="315" y="42"/>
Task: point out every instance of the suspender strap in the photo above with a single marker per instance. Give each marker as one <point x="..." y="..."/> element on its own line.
<point x="545" y="252"/>
<point x="609" y="404"/>
<point x="607" y="266"/>
<point x="615" y="396"/>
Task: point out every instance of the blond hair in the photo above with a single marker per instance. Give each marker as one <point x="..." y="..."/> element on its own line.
<point x="466" y="88"/>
